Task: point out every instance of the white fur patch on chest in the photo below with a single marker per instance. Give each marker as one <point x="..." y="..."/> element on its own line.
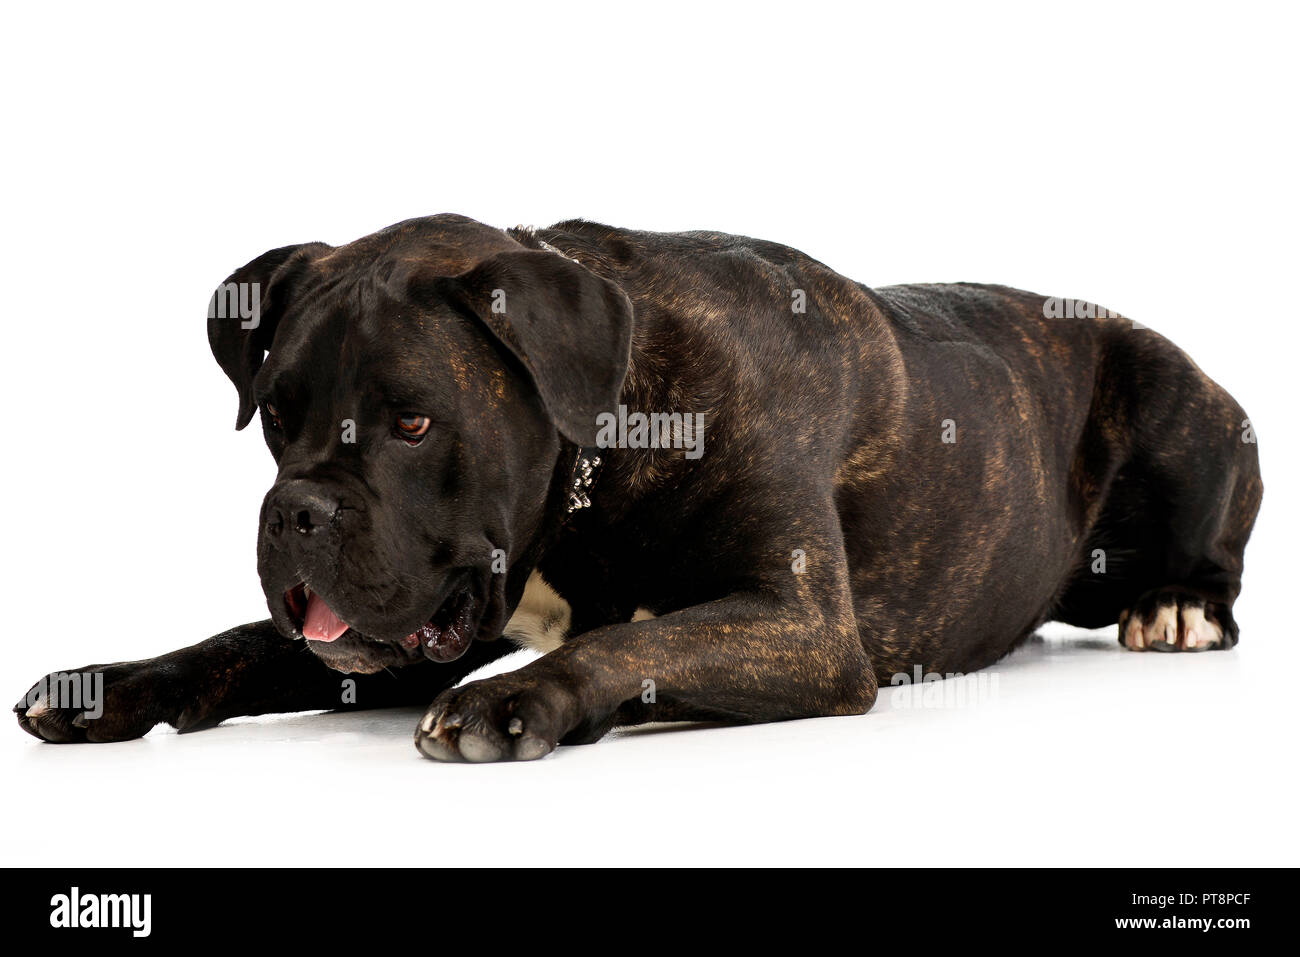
<point x="542" y="619"/>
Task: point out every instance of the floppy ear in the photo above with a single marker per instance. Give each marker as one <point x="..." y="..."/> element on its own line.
<point x="571" y="330"/>
<point x="244" y="312"/>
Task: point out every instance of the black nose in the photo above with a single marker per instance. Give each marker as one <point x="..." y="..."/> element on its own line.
<point x="306" y="507"/>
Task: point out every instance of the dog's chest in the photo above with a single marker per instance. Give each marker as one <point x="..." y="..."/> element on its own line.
<point x="542" y="619"/>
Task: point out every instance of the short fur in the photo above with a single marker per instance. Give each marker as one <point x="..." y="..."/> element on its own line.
<point x="911" y="476"/>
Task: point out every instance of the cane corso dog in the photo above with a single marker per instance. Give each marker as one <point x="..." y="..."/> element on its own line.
<point x="710" y="477"/>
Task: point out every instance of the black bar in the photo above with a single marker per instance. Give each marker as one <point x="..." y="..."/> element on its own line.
<point x="650" y="906"/>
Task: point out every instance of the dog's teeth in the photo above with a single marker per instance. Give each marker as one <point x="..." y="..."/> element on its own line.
<point x="306" y="590"/>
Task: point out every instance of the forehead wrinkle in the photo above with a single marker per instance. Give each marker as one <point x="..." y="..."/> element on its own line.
<point x="371" y="348"/>
<point x="386" y="389"/>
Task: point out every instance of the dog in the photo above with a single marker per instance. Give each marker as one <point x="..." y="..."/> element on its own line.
<point x="708" y="476"/>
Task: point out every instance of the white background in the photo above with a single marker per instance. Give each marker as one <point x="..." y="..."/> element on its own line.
<point x="1140" y="157"/>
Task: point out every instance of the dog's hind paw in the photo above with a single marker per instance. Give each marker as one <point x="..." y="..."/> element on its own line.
<point x="1174" y="620"/>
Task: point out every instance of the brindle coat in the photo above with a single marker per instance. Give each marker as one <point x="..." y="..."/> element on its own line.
<point x="900" y="477"/>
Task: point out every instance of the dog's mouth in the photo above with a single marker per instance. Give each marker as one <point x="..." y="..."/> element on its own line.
<point x="444" y="637"/>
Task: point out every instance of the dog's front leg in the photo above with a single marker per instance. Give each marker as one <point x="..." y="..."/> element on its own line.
<point x="252" y="669"/>
<point x="748" y="658"/>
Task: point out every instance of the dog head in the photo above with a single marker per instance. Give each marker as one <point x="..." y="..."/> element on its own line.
<point x="422" y="391"/>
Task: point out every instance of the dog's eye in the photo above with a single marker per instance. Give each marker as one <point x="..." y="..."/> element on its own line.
<point x="274" y="416"/>
<point x="412" y="427"/>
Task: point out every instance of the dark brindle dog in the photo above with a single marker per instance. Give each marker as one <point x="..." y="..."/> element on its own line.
<point x="907" y="476"/>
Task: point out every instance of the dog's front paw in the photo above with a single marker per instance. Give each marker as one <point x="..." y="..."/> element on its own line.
<point x="99" y="703"/>
<point x="504" y="718"/>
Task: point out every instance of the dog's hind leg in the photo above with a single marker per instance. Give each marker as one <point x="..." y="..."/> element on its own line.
<point x="1164" y="558"/>
<point x="1207" y="520"/>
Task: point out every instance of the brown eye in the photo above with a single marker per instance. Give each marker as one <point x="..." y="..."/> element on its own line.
<point x="274" y="415"/>
<point x="412" y="427"/>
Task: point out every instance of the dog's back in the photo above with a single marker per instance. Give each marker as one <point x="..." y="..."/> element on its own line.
<point x="988" y="448"/>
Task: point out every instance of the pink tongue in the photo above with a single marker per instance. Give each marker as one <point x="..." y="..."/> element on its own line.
<point x="320" y="623"/>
